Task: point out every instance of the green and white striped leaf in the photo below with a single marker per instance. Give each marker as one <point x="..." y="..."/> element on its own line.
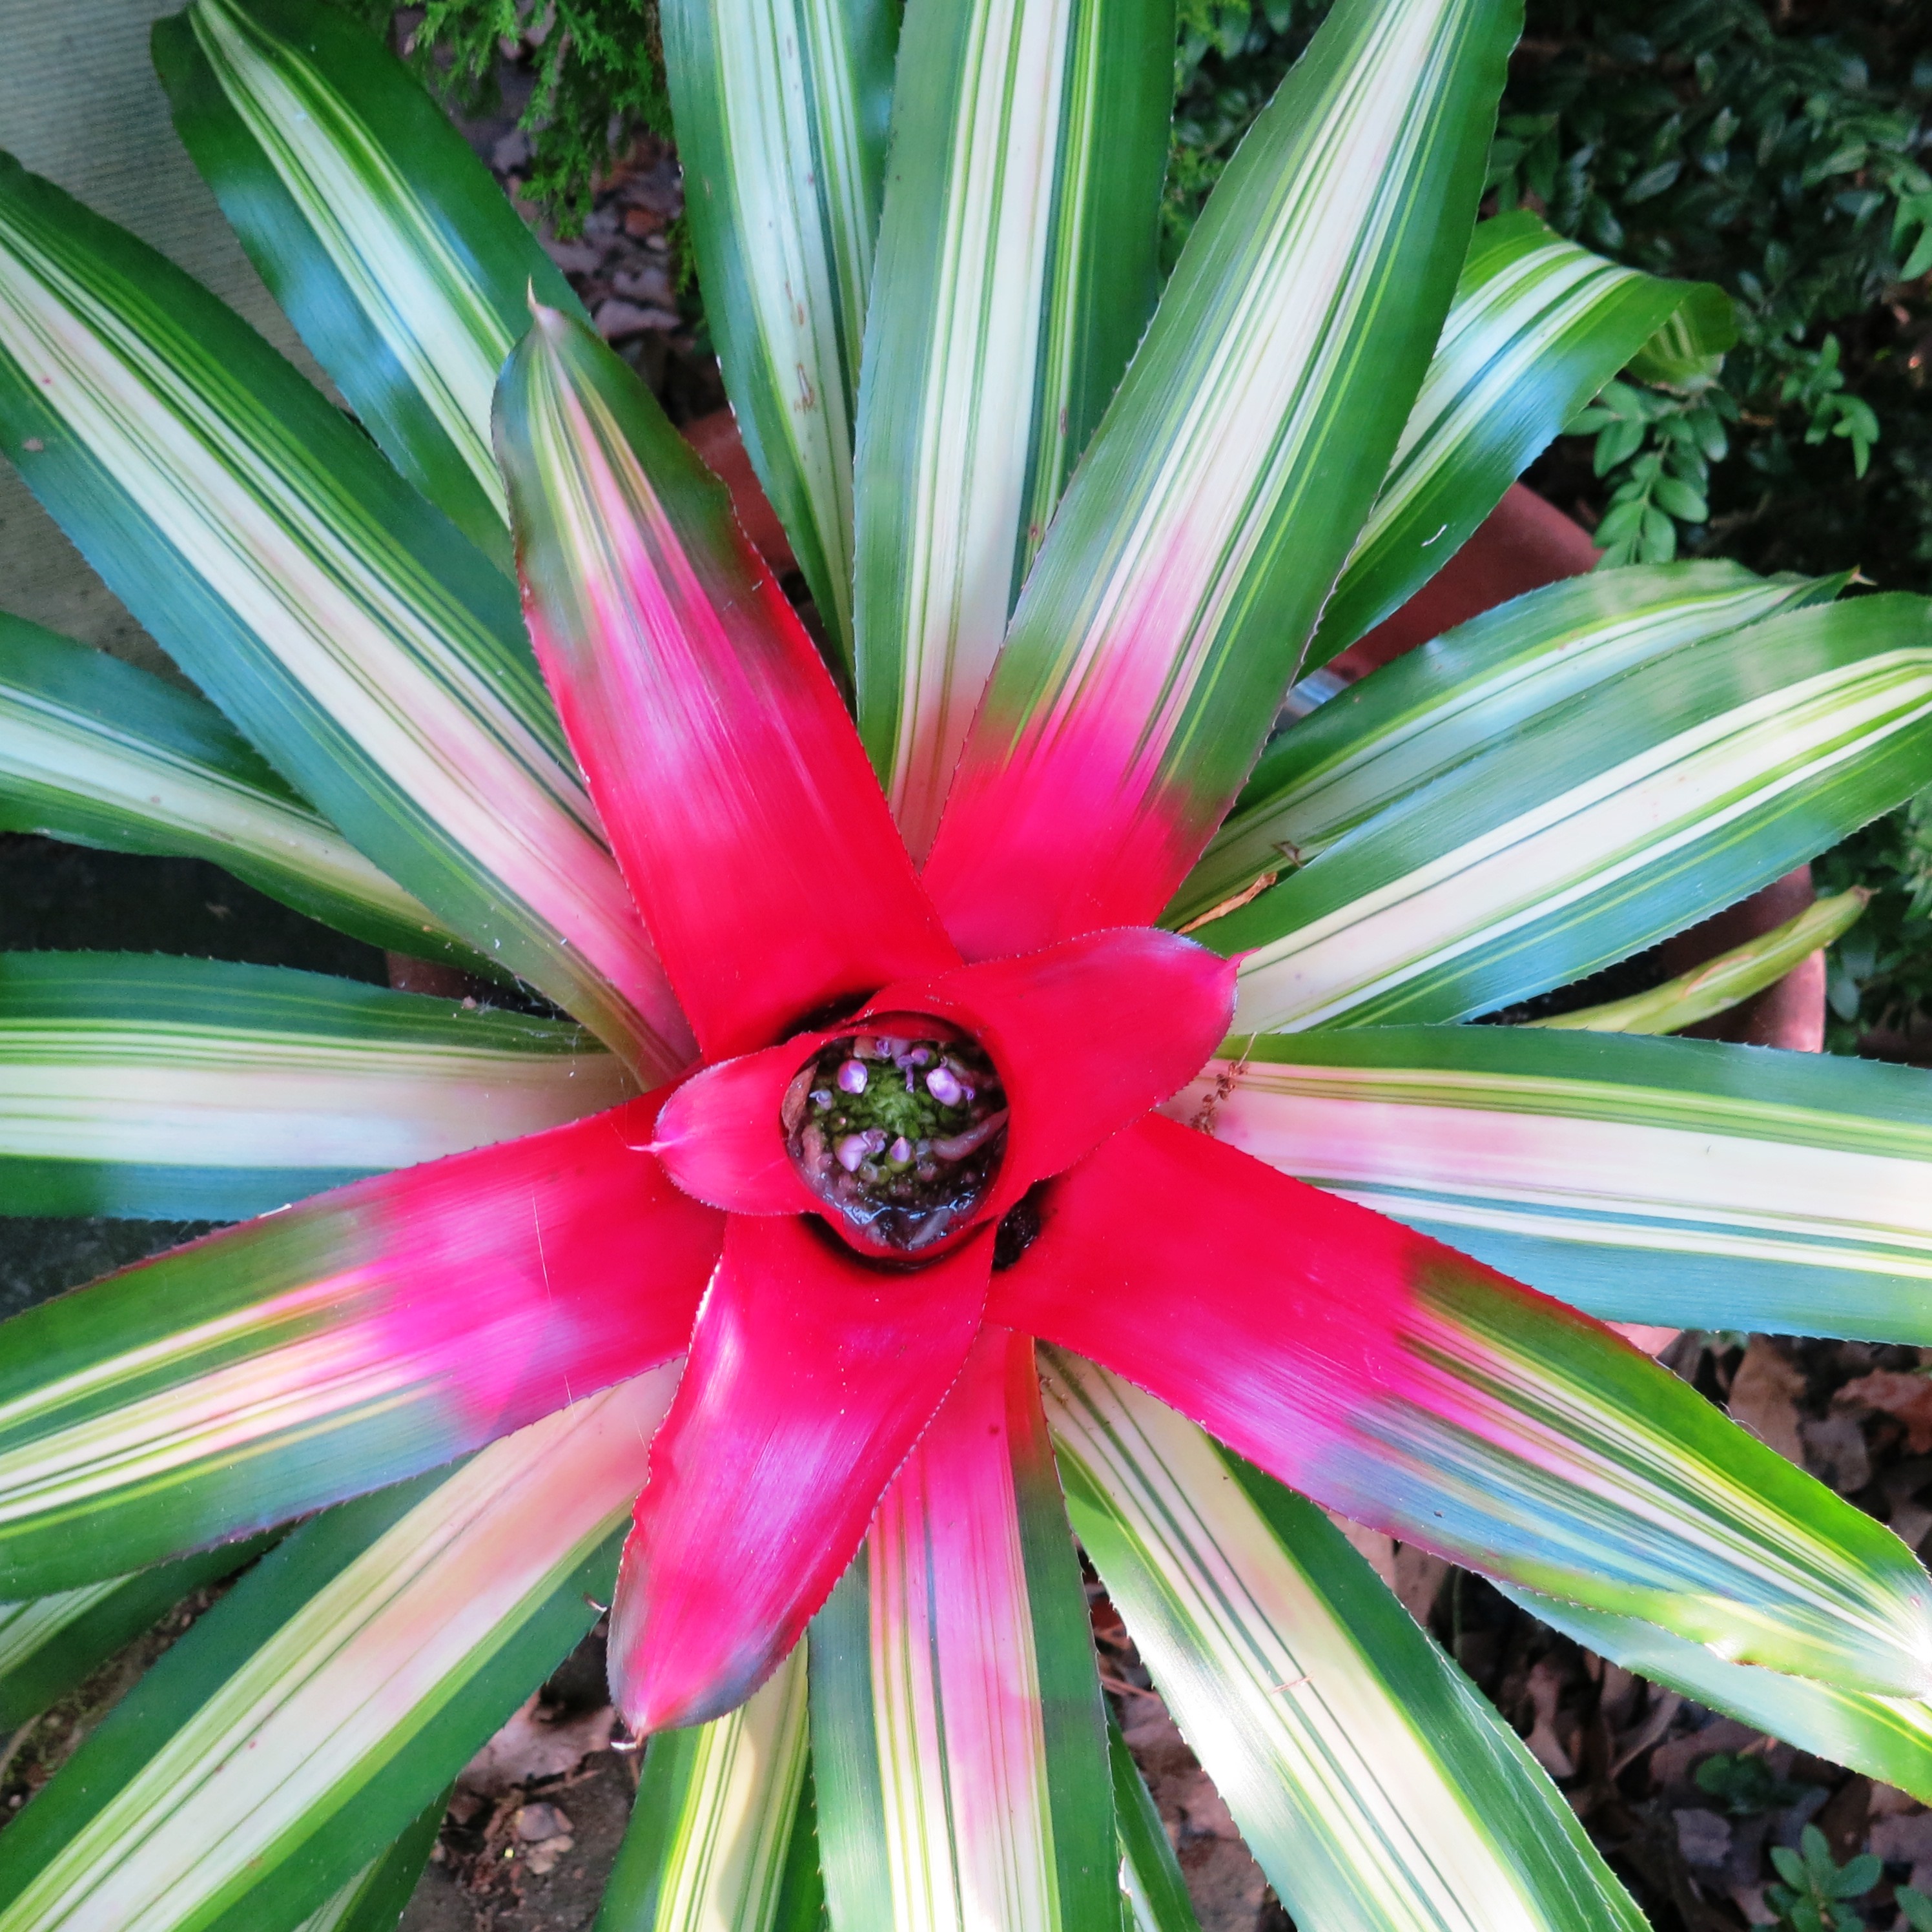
<point x="96" y="752"/>
<point x="782" y="113"/>
<point x="358" y="642"/>
<point x="1433" y="710"/>
<point x="1155" y="1894"/>
<point x="196" y="1089"/>
<point x="1375" y="1786"/>
<point x="1017" y="269"/>
<point x="1624" y="815"/>
<point x="709" y="1842"/>
<point x="1889" y="1739"/>
<point x="307" y="1719"/>
<point x="1223" y="491"/>
<point x="1685" y="1183"/>
<point x="1538" y="326"/>
<point x="960" y="1746"/>
<point x="1722" y="982"/>
<point x="374" y="1899"/>
<point x="379" y="232"/>
<point x="49" y="1644"/>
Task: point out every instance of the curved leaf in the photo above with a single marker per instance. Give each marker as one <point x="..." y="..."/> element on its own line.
<point x="1434" y="708"/>
<point x="1167" y="609"/>
<point x="1017" y="268"/>
<point x="98" y="753"/>
<point x="1685" y="1183"/>
<point x="1601" y="827"/>
<point x="1373" y="1783"/>
<point x="782" y="113"/>
<point x="195" y="1089"/>
<point x="379" y="232"/>
<point x="1537" y="327"/>
<point x="1724" y="982"/>
<point x="307" y="1719"/>
<point x="358" y="642"/>
<point x="1889" y="1739"/>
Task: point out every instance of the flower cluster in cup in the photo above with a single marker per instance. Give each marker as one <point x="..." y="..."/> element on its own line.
<point x="901" y="1129"/>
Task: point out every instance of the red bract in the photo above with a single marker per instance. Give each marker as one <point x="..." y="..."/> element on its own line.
<point x="768" y="870"/>
<point x="1319" y="1338"/>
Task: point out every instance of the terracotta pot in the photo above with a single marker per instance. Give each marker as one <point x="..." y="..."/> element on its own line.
<point x="1525" y="544"/>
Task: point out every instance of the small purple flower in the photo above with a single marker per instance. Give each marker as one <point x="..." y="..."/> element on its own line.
<point x="852" y="1077"/>
<point x="943" y="1085"/>
<point x="851" y="1150"/>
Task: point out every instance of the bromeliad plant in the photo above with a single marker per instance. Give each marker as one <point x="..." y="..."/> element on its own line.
<point x="891" y="1066"/>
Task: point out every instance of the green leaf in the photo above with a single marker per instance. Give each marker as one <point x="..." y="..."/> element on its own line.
<point x="1017" y="269"/>
<point x="1373" y="1783"/>
<point x="302" y="1723"/>
<point x="1186" y="566"/>
<point x="1688" y="351"/>
<point x="1537" y="327"/>
<point x="707" y="1847"/>
<point x="343" y="625"/>
<point x="352" y="1341"/>
<point x="1722" y="982"/>
<point x="49" y="1644"/>
<point x="1889" y="1739"/>
<point x="195" y="1089"/>
<point x="1156" y="1893"/>
<point x="1431" y="710"/>
<point x="96" y="752"/>
<point x="782" y="113"/>
<point x="379" y="232"/>
<point x="374" y="1899"/>
<point x="958" y="1729"/>
<point x="1601" y="827"/>
<point x="1683" y="1183"/>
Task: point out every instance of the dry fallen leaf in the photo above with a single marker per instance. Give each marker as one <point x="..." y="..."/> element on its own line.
<point x="1764" y="1398"/>
<point x="533" y="1745"/>
<point x="1896" y="1393"/>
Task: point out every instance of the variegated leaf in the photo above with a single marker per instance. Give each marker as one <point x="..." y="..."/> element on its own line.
<point x="1375" y="1786"/>
<point x="352" y="1341"/>
<point x="366" y="650"/>
<point x="374" y="1899"/>
<point x="381" y="233"/>
<point x="1151" y="1884"/>
<point x="1724" y="982"/>
<point x="1168" y="607"/>
<point x="1538" y="326"/>
<point x="195" y="1089"/>
<point x="1601" y="827"/>
<point x="708" y="1847"/>
<point x="98" y="753"/>
<point x="303" y="1722"/>
<point x="1433" y="710"/>
<point x="1686" y="1183"/>
<point x="1016" y="270"/>
<point x="1889" y="1739"/>
<point x="957" y="1721"/>
<point x="782" y="114"/>
<point x="49" y="1644"/>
